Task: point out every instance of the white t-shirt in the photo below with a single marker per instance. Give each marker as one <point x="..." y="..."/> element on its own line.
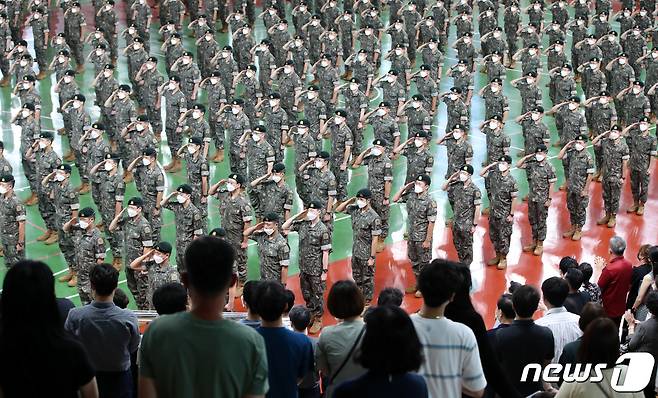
<point x="452" y="358"/>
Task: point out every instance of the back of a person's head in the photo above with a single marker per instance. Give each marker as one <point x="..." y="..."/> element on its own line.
<point x="249" y="291"/>
<point x="617" y="245"/>
<point x="103" y="279"/>
<point x="462" y="298"/>
<point x="28" y="302"/>
<point x="590" y="312"/>
<point x="209" y="266"/>
<point x="390" y="344"/>
<point x="525" y="300"/>
<point x="439" y="281"/>
<point x="643" y="253"/>
<point x="290" y="299"/>
<point x="170" y="298"/>
<point x="300" y="317"/>
<point x="120" y="299"/>
<point x="345" y="300"/>
<point x="587" y="270"/>
<point x="600" y="343"/>
<point x="566" y="263"/>
<point x="574" y="278"/>
<point x="390" y="296"/>
<point x="271" y="301"/>
<point x="555" y="291"/>
<point x="506" y="307"/>
<point x="651" y="301"/>
<point x="513" y="285"/>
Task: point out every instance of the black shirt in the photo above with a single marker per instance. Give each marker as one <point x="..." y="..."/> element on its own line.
<point x="575" y="302"/>
<point x="522" y="343"/>
<point x="636" y="280"/>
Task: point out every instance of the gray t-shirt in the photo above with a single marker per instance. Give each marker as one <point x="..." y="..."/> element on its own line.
<point x="333" y="346"/>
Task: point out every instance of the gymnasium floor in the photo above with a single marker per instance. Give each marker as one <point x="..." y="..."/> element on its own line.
<point x="392" y="269"/>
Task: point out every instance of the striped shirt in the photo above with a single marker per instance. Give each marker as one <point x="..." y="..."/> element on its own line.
<point x="452" y="358"/>
<point x="564" y="326"/>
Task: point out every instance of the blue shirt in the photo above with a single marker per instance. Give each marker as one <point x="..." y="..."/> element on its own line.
<point x="289" y="358"/>
<point x="408" y="385"/>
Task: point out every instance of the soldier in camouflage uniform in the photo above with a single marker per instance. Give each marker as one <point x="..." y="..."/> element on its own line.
<point x="581" y="169"/>
<point x="80" y="121"/>
<point x="30" y="133"/>
<point x="635" y="103"/>
<point x="173" y="49"/>
<point x="458" y="107"/>
<point x="236" y="123"/>
<point x="107" y="21"/>
<point x="28" y="94"/>
<point x="384" y="125"/>
<point x="620" y="77"/>
<point x="273" y="250"/>
<point x="275" y="196"/>
<point x="189" y="75"/>
<point x="66" y="88"/>
<point x="366" y="228"/>
<point x="193" y="124"/>
<point x="40" y="32"/>
<point x="314" y="249"/>
<point x="260" y="159"/>
<point x="137" y="241"/>
<point x="151" y="187"/>
<point x="189" y="221"/>
<point x="501" y="218"/>
<point x="251" y="89"/>
<point x="315" y="113"/>
<point x="305" y="149"/>
<point x="12" y="222"/>
<point x="289" y="86"/>
<point x="363" y="70"/>
<point x="197" y="173"/>
<point x="466" y="209"/>
<point x="141" y="17"/>
<point x="341" y="150"/>
<point x="380" y="179"/>
<point x="122" y="111"/>
<point x="5" y="44"/>
<point x="150" y="80"/>
<point x="227" y="67"/>
<point x="5" y="166"/>
<point x="236" y="216"/>
<point x="176" y="108"/>
<point x="276" y="121"/>
<point x="601" y="116"/>
<point x="419" y="158"/>
<point x="216" y="100"/>
<point x="643" y="150"/>
<point x="541" y="177"/>
<point x="89" y="249"/>
<point x="498" y="143"/>
<point x="326" y="75"/>
<point x="105" y="84"/>
<point x="421" y="210"/>
<point x="615" y="163"/>
<point x="46" y="160"/>
<point x="417" y="117"/>
<point x="320" y="183"/>
<point x="562" y="85"/>
<point x="531" y="96"/>
<point x="74" y="23"/>
<point x="460" y="151"/>
<point x="137" y="56"/>
<point x="99" y="57"/>
<point x="266" y="65"/>
<point x="155" y="265"/>
<point x="357" y="102"/>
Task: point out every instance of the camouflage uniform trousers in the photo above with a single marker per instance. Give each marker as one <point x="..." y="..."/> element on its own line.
<point x="598" y="157"/>
<point x="41" y="56"/>
<point x="154" y="117"/>
<point x="500" y="231"/>
<point x="30" y="175"/>
<point x="254" y="200"/>
<point x="84" y="285"/>
<point x="234" y="237"/>
<point x="313" y="287"/>
<point x="115" y="238"/>
<point x="47" y="209"/>
<point x="196" y="200"/>
<point x="174" y="138"/>
<point x="577" y="206"/>
<point x="639" y="185"/>
<point x="611" y="192"/>
<point x="238" y="163"/>
<point x="418" y="255"/>
<point x="67" y="247"/>
<point x="382" y="210"/>
<point x="155" y="220"/>
<point x="4" y="64"/>
<point x="357" y="134"/>
<point x="341" y="181"/>
<point x="141" y="291"/>
<point x="364" y="276"/>
<point x="217" y="132"/>
<point x="463" y="241"/>
<point x="537" y="214"/>
<point x="9" y="241"/>
<point x="76" y="49"/>
<point x="302" y="189"/>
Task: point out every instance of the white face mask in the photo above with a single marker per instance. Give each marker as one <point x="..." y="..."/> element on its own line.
<point x="319" y="164"/>
<point x="108" y="166"/>
<point x="268" y="231"/>
<point x="453" y="97"/>
<point x="495" y="89"/>
<point x="312" y="215"/>
<point x="25" y="113"/>
<point x="132" y="212"/>
<point x="276" y="178"/>
<point x="174" y="41"/>
<point x="418" y="143"/>
<point x="287" y="70"/>
<point x="3" y="190"/>
<point x="273" y="103"/>
<point x="196" y="114"/>
<point x="68" y="79"/>
<point x="235" y="111"/>
<point x="107" y="73"/>
<point x="324" y="64"/>
<point x="361" y="203"/>
<point x="558" y="48"/>
<point x="23" y="63"/>
<point x="636" y="91"/>
<point x="42" y="145"/>
<point x="146" y="161"/>
<point x="502" y="167"/>
<point x="564" y="73"/>
<point x="172" y="86"/>
<point x="180" y="198"/>
<point x="191" y="149"/>
<point x="644" y="127"/>
<point x="381" y="112"/>
<point x="614" y="135"/>
<point x="83" y="224"/>
<point x="77" y="104"/>
<point x="493" y="125"/>
<point x="302" y="131"/>
<point x="338" y="120"/>
<point x="60" y="177"/>
<point x="540" y="157"/>
<point x="230" y="187"/>
<point x="424" y="74"/>
<point x="415" y="104"/>
<point x="310" y="95"/>
<point x="622" y="61"/>
<point x="362" y="58"/>
<point x="457" y="135"/>
<point x="604" y="100"/>
<point x="121" y="95"/>
<point x="418" y="188"/>
<point x="463" y="177"/>
<point x="573" y="107"/>
<point x="354" y="87"/>
<point x="376" y="151"/>
<point x="139" y="127"/>
<point x="579" y="147"/>
<point x="255" y="137"/>
<point x="158" y="259"/>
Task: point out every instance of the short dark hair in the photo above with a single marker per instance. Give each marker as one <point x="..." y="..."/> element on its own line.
<point x="345" y="300"/>
<point x="439" y="281"/>
<point x="390" y="296"/>
<point x="120" y="298"/>
<point x="209" y="265"/>
<point x="600" y="343"/>
<point x="249" y="291"/>
<point x="506" y="306"/>
<point x="390" y="327"/>
<point x="170" y="298"/>
<point x="272" y="300"/>
<point x="590" y="312"/>
<point x="290" y="302"/>
<point x="587" y="270"/>
<point x="525" y="300"/>
<point x="103" y="279"/>
<point x="555" y="291"/>
<point x="300" y="317"/>
<point x="566" y="263"/>
<point x="651" y="302"/>
<point x="574" y="278"/>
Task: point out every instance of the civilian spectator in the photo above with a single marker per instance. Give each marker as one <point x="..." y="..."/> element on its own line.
<point x="643" y="268"/>
<point x="120" y="299"/>
<point x="64" y="305"/>
<point x="504" y="315"/>
<point x="451" y="365"/>
<point x="109" y="334"/>
<point x="249" y="301"/>
<point x="592" y="289"/>
<point x="644" y="337"/>
<point x="390" y="296"/>
<point x="591" y="311"/>
<point x="524" y="342"/>
<point x="289" y="354"/>
<point x="390" y="351"/>
<point x="639" y="307"/>
<point x="566" y="263"/>
<point x="615" y="280"/>
<point x="562" y="323"/>
<point x="198" y="353"/>
<point x="39" y="359"/>
<point x="337" y="343"/>
<point x="576" y="299"/>
<point x="170" y="298"/>
<point x="600" y="344"/>
<point x="300" y="319"/>
<point x="461" y="310"/>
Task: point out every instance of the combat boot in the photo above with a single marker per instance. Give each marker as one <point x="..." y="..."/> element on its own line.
<point x="52" y="239"/>
<point x="485" y="212"/>
<point x="640" y="210"/>
<point x="84" y="188"/>
<point x="577" y="234"/>
<point x="178" y="166"/>
<point x="69" y="156"/>
<point x="127" y="176"/>
<point x="569" y="233"/>
<point x="45" y="236"/>
<point x="316" y="327"/>
<point x="74" y="280"/>
<point x="612" y="221"/>
<point x="32" y="200"/>
<point x="494" y="260"/>
<point x="539" y="249"/>
<point x="42" y="74"/>
<point x="633" y="208"/>
<point x="2" y="252"/>
<point x="219" y="156"/>
<point x="502" y="264"/>
<point x="5" y="81"/>
<point x="603" y="220"/>
<point x="67" y="276"/>
<point x="530" y="247"/>
<point x="411" y="289"/>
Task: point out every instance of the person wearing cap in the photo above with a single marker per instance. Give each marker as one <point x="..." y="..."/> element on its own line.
<point x="356" y="102"/>
<point x="642" y="151"/>
<point x="279" y="36"/>
<point x="236" y="215"/>
<point x="5" y="166"/>
<point x="22" y="66"/>
<point x="275" y="196"/>
<point x="495" y="102"/>
<point x="320" y="185"/>
<point x="562" y="85"/>
<point x="89" y="249"/>
<point x="311" y="32"/>
<point x="172" y="48"/>
<point x="593" y="78"/>
<point x="99" y="57"/>
<point x="610" y="48"/>
<point x="275" y="119"/>
<point x="380" y="180"/>
<point x="189" y="74"/>
<point x="511" y="25"/>
<point x="541" y="178"/>
<point x="498" y="143"/>
<point x="427" y="87"/>
<point x="341" y="150"/>
<point x="237" y="124"/>
<point x="418" y="118"/>
<point x="458" y="108"/>
<point x="634" y="103"/>
<point x="150" y="80"/>
<point x="28" y="94"/>
<point x="105" y="84"/>
<point x="66" y="88"/>
<point x="421" y="210"/>
<point x="493" y="41"/>
<point x="45" y="160"/>
<point x="121" y="111"/>
<point x="217" y="105"/>
<point x="12" y="222"/>
<point x="80" y="121"/>
<point x="601" y="115"/>
<point x="249" y="81"/>
<point x="366" y="228"/>
<point x="556" y="56"/>
<point x="346" y="24"/>
<point x="420" y="160"/>
<point x="411" y="17"/>
<point x="139" y="136"/>
<point x="400" y="62"/>
<point x="298" y="54"/>
<point x="363" y="70"/>
<point x="193" y="124"/>
<point x="535" y="131"/>
<point x="152" y="187"/>
<point x="620" y="76"/>
<point x="384" y="125"/>
<point x="580" y="170"/>
<point x="38" y="21"/>
<point x="74" y="24"/>
<point x="314" y="250"/>
<point x="243" y="42"/>
<point x="5" y="33"/>
<point x="466" y="51"/>
<point x="198" y="25"/>
<point x="290" y="86"/>
<point x="614" y="166"/>
<point x="155" y="264"/>
<point x="273" y="250"/>
<point x="570" y="122"/>
<point x="141" y="18"/>
<point x="266" y="65"/>
<point x="227" y="67"/>
<point x="137" y="240"/>
<point x="315" y="116"/>
<point x="188" y="218"/>
<point x="331" y="46"/>
<point x="431" y="51"/>
<point x="137" y="56"/>
<point x="393" y="91"/>
<point x="198" y="171"/>
<point x="260" y="159"/>
<point x="531" y="96"/>
<point x="586" y="49"/>
<point x="634" y="41"/>
<point x="325" y="74"/>
<point x="176" y="108"/>
<point x="460" y="151"/>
